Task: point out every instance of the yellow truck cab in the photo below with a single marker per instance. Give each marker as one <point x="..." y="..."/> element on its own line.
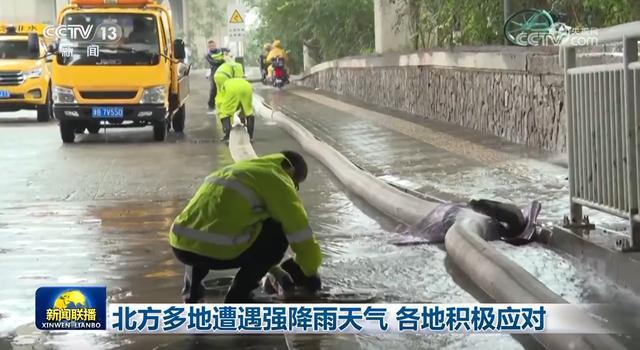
<point x="117" y="64"/>
<point x="24" y="74"/>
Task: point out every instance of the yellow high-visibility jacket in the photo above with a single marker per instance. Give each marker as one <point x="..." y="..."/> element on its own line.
<point x="230" y="70"/>
<point x="225" y="216"/>
<point x="226" y="71"/>
<point x="277" y="51"/>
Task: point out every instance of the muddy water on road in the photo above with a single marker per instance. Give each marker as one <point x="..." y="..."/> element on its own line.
<point x="123" y="244"/>
<point x="120" y="241"/>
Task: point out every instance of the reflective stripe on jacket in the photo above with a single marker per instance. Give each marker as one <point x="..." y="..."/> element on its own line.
<point x="224" y="217"/>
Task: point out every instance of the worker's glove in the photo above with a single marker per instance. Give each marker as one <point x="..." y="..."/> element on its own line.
<point x="313" y="283"/>
<point x="293" y="269"/>
<point x="280" y="278"/>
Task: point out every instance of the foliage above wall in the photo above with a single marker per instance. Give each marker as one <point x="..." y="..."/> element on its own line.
<point x="337" y="28"/>
<point x="443" y="23"/>
<point x="205" y="16"/>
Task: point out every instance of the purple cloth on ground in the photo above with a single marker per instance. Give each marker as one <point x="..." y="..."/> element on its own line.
<point x="434" y="226"/>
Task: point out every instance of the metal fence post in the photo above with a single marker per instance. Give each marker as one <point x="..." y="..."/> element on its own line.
<point x="507" y="11"/>
<point x="569" y="98"/>
<point x="630" y="55"/>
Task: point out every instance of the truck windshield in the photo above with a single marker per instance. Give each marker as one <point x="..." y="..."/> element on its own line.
<point x="15" y="49"/>
<point x="109" y="39"/>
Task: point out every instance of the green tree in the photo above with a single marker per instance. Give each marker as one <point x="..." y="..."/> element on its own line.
<point x="443" y="23"/>
<point x="205" y="16"/>
<point x="337" y="27"/>
<point x="597" y="13"/>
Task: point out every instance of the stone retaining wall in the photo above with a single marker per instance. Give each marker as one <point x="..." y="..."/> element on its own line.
<point x="515" y="95"/>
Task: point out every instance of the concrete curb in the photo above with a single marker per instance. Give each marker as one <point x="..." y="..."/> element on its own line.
<point x="507" y="282"/>
<point x="621" y="268"/>
<point x="502" y="279"/>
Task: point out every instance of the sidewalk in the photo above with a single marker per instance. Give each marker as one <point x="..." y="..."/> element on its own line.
<point x="434" y="158"/>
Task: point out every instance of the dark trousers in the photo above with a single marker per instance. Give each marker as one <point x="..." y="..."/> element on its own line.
<point x="254" y="263"/>
<point x="213" y="91"/>
<point x="510" y="216"/>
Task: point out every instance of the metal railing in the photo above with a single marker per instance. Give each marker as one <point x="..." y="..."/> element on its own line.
<point x="603" y="116"/>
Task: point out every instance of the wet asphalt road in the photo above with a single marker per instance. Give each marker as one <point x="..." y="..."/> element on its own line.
<point x="98" y="211"/>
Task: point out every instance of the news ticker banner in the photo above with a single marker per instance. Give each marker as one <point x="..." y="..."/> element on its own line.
<point x="86" y="308"/>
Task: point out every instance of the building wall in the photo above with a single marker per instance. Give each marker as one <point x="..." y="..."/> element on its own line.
<point x="14" y="11"/>
<point x="218" y="33"/>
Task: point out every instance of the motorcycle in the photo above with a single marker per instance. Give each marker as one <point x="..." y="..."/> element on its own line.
<point x="279" y="73"/>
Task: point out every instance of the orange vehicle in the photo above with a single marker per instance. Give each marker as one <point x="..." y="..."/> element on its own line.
<point x="25" y="75"/>
<point x="122" y="67"/>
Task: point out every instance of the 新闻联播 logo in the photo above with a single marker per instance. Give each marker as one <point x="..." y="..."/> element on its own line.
<point x="72" y="307"/>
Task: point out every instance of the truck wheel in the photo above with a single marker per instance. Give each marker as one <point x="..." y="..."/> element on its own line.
<point x="45" y="112"/>
<point x="80" y="129"/>
<point x="94" y="128"/>
<point x="67" y="132"/>
<point x="178" y="119"/>
<point x="159" y="130"/>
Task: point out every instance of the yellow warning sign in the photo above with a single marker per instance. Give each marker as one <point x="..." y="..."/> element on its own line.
<point x="235" y="17"/>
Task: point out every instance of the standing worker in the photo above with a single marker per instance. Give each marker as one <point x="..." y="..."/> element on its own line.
<point x="215" y="58"/>
<point x="245" y="216"/>
<point x="230" y="70"/>
<point x="264" y="64"/>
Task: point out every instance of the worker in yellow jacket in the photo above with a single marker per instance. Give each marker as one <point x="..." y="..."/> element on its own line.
<point x="245" y="216"/>
<point x="237" y="96"/>
<point x="229" y="69"/>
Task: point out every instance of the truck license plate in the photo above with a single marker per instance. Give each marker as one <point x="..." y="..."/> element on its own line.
<point x="4" y="94"/>
<point x="107" y="112"/>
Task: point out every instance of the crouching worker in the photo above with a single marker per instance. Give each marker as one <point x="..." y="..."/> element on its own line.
<point x="227" y="70"/>
<point x="245" y="216"/>
<point x="497" y="220"/>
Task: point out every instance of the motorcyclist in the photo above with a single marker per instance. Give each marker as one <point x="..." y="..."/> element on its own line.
<point x="277" y="51"/>
<point x="264" y="64"/>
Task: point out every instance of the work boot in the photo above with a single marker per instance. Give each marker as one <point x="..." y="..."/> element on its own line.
<point x="251" y="122"/>
<point x="239" y="294"/>
<point x="226" y="128"/>
<point x="192" y="293"/>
